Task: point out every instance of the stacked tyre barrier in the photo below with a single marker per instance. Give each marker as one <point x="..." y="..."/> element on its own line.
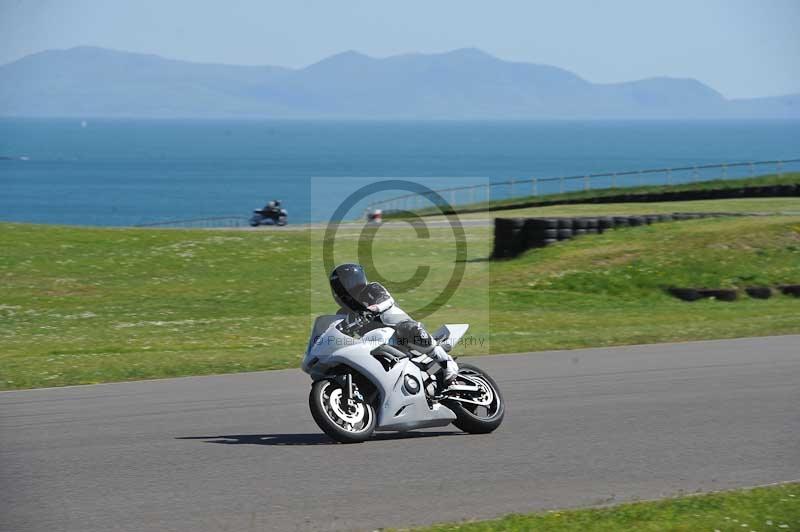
<point x="512" y="236"/>
<point x="769" y="191"/>
<point x="732" y="294"/>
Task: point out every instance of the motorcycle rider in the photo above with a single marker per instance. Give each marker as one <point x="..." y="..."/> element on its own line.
<point x="369" y="305"/>
<point x="272" y="208"/>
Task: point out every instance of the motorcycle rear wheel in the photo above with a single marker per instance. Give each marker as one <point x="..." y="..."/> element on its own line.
<point x="477" y="419"/>
<point x="345" y="426"/>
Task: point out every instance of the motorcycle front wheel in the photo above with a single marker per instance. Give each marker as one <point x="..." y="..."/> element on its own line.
<point x="345" y="425"/>
<point x="478" y="418"/>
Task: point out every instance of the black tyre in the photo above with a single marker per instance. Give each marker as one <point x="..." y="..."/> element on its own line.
<point x="605" y="223"/>
<point x="533" y="233"/>
<point x="759" y="292"/>
<point x="790" y="290"/>
<point x="346" y="426"/>
<point x="636" y="221"/>
<point x="503" y="237"/>
<point x="564" y="234"/>
<point x="478" y="419"/>
<point x="543" y="223"/>
<point x="621" y="221"/>
<point x="580" y="223"/>
<point x="685" y="294"/>
<point x="507" y="238"/>
<point x="720" y="294"/>
<point x="565" y="223"/>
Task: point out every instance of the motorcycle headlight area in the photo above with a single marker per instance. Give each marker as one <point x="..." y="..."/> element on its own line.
<point x="411" y="384"/>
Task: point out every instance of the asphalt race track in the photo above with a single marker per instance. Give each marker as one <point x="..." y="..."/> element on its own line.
<point x="241" y="452"/>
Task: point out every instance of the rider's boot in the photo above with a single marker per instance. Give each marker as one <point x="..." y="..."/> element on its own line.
<point x="450" y="367"/>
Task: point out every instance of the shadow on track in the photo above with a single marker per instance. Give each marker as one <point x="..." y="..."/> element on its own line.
<point x="305" y="439"/>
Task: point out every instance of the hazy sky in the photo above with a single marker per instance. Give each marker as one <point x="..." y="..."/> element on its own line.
<point x="741" y="48"/>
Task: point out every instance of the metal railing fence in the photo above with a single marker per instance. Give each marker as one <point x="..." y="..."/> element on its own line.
<point x="213" y="221"/>
<point x="533" y="187"/>
<point x="540" y="186"/>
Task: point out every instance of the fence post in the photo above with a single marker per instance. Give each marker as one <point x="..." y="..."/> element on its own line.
<point x="472" y="194"/>
<point x="725" y="171"/>
<point x="561" y="184"/>
<point x="779" y="168"/>
<point x="639" y="178"/>
<point x="694" y="175"/>
<point x="534" y="188"/>
<point x="669" y="176"/>
<point x="752" y="170"/>
<point x="488" y="191"/>
<point x="512" y="188"/>
<point x="586" y="184"/>
<point x="614" y="180"/>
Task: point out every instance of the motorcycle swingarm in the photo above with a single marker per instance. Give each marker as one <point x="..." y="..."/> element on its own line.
<point x="463" y="388"/>
<point x="474" y="388"/>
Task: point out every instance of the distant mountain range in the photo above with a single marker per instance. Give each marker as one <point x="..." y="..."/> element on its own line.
<point x="463" y="84"/>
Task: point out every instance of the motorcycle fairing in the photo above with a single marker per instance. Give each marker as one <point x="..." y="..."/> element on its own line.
<point x="399" y="409"/>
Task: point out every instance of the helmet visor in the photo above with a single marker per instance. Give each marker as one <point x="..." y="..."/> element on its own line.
<point x="352" y="278"/>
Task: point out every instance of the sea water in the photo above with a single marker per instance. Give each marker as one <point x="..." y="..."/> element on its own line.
<point x="128" y="172"/>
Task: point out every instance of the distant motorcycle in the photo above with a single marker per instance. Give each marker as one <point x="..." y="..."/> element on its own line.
<point x="269" y="217"/>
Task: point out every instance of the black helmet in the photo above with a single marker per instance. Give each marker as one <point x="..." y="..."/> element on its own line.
<point x="277" y="203"/>
<point x="347" y="282"/>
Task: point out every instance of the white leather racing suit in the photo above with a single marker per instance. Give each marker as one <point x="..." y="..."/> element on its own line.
<point x="386" y="313"/>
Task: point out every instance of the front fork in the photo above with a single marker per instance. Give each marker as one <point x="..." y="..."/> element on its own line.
<point x="346" y="383"/>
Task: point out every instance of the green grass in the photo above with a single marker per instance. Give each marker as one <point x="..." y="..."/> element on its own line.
<point x="522" y="202"/>
<point x="608" y="289"/>
<point x="775" y="508"/>
<point x="81" y="305"/>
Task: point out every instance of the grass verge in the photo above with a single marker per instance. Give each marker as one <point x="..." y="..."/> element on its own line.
<point x="743" y="205"/>
<point x="523" y="202"/>
<point x="82" y="305"/>
<point x="775" y="508"/>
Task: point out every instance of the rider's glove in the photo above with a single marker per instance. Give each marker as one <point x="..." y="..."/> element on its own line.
<point x="355" y="321"/>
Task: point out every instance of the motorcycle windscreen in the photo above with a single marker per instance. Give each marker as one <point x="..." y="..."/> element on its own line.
<point x="451" y="333"/>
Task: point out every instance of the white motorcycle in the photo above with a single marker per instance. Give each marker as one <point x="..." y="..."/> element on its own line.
<point x="374" y="382"/>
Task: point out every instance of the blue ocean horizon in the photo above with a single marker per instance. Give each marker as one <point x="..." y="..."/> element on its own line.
<point x="114" y="172"/>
